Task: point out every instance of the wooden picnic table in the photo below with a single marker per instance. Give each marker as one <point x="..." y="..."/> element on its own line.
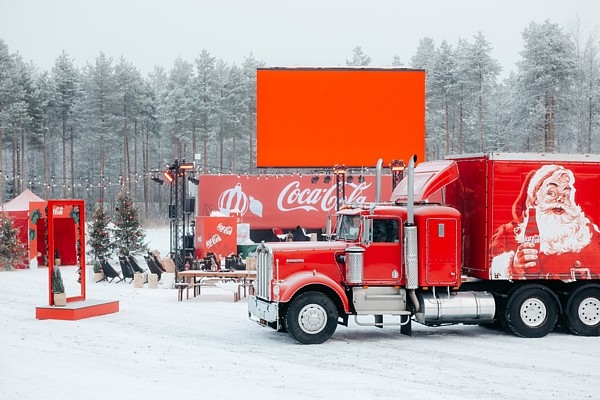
<point x="195" y="279"/>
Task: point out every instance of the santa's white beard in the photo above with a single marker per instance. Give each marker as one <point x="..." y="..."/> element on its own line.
<point x="561" y="233"/>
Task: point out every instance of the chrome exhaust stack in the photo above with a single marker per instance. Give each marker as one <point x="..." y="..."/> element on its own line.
<point x="411" y="253"/>
<point x="378" y="181"/>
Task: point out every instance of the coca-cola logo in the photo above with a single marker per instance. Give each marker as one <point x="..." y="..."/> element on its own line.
<point x="213" y="241"/>
<point x="294" y="197"/>
<point x="227" y="230"/>
<point x="291" y="198"/>
<point x="532" y="238"/>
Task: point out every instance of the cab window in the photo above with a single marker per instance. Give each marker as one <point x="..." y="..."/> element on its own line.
<point x="348" y="227"/>
<point x="385" y="231"/>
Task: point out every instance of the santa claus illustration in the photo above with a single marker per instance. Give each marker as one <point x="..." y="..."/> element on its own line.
<point x="550" y="237"/>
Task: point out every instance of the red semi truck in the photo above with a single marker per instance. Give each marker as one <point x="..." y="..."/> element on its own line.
<point x="491" y="239"/>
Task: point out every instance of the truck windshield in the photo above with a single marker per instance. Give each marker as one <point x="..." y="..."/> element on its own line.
<point x="348" y="227"/>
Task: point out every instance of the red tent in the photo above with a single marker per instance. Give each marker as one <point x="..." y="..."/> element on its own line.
<point x="28" y="211"/>
<point x="18" y="209"/>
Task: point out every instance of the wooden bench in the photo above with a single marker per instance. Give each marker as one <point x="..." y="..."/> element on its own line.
<point x="181" y="286"/>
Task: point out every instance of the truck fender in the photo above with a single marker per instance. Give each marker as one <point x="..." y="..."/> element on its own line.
<point x="579" y="289"/>
<point x="292" y="284"/>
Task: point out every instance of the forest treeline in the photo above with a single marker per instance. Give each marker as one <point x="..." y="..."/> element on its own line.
<point x="85" y="132"/>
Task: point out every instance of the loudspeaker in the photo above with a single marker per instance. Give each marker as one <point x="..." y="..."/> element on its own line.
<point x="188" y="242"/>
<point x="172" y="211"/>
<point x="189" y="205"/>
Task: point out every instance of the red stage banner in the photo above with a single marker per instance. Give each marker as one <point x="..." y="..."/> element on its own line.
<point x="276" y="201"/>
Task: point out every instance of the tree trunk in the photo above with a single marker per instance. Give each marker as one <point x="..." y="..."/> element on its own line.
<point x="2" y="172"/>
<point x="72" y="165"/>
<point x="233" y="166"/>
<point x="480" y="100"/>
<point x="127" y="165"/>
<point x="146" y="165"/>
<point x="135" y="162"/>
<point x="64" y="153"/>
<point x="46" y="167"/>
<point x="447" y="126"/>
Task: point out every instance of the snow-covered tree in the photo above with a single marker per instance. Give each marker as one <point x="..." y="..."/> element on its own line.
<point x="359" y="58"/>
<point x="205" y="116"/>
<point x="129" y="234"/>
<point x="99" y="234"/>
<point x="66" y="80"/>
<point x="546" y="71"/>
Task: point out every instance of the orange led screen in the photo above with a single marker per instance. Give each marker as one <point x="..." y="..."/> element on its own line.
<point x="320" y="117"/>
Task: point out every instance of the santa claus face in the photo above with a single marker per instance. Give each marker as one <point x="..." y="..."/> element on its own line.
<point x="555" y="195"/>
<point x="561" y="222"/>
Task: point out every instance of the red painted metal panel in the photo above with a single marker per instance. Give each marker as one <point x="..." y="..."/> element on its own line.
<point x="216" y="235"/>
<point x="494" y="194"/>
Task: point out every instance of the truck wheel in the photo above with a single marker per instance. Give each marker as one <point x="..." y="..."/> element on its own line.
<point x="582" y="315"/>
<point x="311" y="318"/>
<point x="531" y="313"/>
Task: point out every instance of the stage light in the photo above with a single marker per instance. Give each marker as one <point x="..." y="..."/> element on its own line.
<point x="397" y="165"/>
<point x="350" y="179"/>
<point x="339" y="170"/>
<point x="169" y="177"/>
<point x="361" y="179"/>
<point x="186" y="166"/>
<point x="193" y="179"/>
<point x="327" y="178"/>
<point x="314" y="179"/>
<point x="157" y="180"/>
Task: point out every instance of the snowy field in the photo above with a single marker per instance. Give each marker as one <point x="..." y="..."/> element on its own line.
<point x="158" y="348"/>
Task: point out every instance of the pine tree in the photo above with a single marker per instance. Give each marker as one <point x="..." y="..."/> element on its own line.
<point x="99" y="241"/>
<point x="129" y="234"/>
<point x="12" y="251"/>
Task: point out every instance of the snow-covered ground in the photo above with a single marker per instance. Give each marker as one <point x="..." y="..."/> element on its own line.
<point x="158" y="348"/>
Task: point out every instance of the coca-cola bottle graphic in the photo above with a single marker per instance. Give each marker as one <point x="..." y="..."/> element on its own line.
<point x="532" y="235"/>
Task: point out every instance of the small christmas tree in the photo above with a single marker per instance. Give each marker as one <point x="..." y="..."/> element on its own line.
<point x="58" y="285"/>
<point x="99" y="235"/>
<point x="12" y="251"/>
<point x="129" y="235"/>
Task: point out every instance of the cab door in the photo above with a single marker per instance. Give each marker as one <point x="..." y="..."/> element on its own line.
<point x="383" y="256"/>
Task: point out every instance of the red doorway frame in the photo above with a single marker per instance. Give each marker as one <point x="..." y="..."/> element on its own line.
<point x="78" y="209"/>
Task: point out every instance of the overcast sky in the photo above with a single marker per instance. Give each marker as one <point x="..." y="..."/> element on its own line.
<point x="278" y="32"/>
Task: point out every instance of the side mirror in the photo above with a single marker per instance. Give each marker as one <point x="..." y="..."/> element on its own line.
<point x="367" y="232"/>
<point x="328" y="228"/>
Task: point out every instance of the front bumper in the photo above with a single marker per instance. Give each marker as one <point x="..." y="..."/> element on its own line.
<point x="262" y="311"/>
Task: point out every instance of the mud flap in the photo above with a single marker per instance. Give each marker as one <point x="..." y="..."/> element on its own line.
<point x="406" y="329"/>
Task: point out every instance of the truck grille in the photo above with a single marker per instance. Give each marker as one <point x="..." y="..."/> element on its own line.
<point x="264" y="272"/>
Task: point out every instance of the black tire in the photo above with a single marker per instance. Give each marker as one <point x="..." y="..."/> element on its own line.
<point x="582" y="314"/>
<point x="531" y="313"/>
<point x="311" y="318"/>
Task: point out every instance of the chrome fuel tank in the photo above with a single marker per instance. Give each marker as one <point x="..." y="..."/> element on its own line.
<point x="455" y="307"/>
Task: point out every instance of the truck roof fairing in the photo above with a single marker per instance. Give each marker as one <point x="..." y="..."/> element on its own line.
<point x="430" y="177"/>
